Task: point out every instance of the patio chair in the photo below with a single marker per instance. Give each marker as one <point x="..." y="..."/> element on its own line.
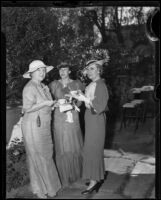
<point x="142" y="106"/>
<point x="132" y="111"/>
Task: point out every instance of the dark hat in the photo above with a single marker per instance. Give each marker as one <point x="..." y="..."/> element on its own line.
<point x="63" y="65"/>
<point x="99" y="62"/>
<point x="90" y="62"/>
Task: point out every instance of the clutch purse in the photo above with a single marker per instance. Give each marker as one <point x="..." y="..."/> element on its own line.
<point x="79" y="96"/>
<point x="38" y="121"/>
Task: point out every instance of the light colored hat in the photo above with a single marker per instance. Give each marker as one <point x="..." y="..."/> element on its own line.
<point x="100" y="62"/>
<point x="34" y="65"/>
<point x="90" y="62"/>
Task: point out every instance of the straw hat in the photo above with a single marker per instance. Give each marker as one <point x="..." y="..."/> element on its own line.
<point x="34" y="65"/>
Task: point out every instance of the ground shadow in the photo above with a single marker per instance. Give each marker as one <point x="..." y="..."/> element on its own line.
<point x="112" y="117"/>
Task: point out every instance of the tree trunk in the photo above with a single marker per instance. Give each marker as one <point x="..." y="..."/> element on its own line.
<point x="118" y="28"/>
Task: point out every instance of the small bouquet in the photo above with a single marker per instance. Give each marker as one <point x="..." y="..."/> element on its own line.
<point x="77" y="94"/>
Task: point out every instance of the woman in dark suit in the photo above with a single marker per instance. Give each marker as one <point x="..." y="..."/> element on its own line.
<point x="96" y="99"/>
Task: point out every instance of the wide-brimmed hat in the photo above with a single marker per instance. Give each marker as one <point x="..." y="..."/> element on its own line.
<point x="99" y="62"/>
<point x="34" y="65"/>
<point x="90" y="62"/>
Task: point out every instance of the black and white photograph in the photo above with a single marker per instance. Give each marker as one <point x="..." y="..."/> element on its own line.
<point x="82" y="108"/>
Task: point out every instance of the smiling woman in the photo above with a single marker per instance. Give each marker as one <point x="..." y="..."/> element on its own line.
<point x="95" y="122"/>
<point x="37" y="107"/>
<point x="39" y="74"/>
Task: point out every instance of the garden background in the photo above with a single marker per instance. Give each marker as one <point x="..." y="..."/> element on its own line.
<point x="68" y="34"/>
<point x="75" y="35"/>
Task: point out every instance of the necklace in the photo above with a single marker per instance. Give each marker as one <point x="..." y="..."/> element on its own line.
<point x="45" y="91"/>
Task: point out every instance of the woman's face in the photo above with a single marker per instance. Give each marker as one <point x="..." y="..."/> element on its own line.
<point x="64" y="72"/>
<point x="39" y="74"/>
<point x="93" y="72"/>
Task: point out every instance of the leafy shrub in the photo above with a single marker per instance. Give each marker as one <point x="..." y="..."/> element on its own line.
<point x="16" y="167"/>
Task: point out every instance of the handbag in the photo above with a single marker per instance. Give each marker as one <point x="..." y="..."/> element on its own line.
<point x="16" y="135"/>
<point x="38" y="121"/>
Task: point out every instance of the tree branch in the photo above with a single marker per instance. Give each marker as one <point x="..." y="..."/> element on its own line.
<point x="103" y="18"/>
<point x="95" y="19"/>
<point x="116" y="17"/>
<point x="121" y="15"/>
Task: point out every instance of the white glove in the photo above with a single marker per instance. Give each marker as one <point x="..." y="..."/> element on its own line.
<point x="80" y="97"/>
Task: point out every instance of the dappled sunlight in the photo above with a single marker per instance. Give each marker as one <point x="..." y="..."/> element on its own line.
<point x="128" y="163"/>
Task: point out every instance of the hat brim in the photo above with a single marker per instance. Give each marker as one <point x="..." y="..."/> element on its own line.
<point x="100" y="62"/>
<point x="27" y="74"/>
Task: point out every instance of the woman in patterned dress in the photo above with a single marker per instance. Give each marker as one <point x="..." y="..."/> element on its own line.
<point x="37" y="107"/>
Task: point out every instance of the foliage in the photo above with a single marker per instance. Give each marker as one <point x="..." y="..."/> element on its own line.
<point x="16" y="167"/>
<point x="55" y="35"/>
<point x="50" y="34"/>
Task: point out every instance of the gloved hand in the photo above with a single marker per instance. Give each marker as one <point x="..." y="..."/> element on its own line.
<point x="80" y="96"/>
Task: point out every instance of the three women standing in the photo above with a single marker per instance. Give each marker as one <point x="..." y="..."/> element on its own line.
<point x="37" y="107"/>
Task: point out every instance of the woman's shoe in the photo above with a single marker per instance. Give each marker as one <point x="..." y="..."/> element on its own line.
<point x="41" y="196"/>
<point x="51" y="195"/>
<point x="95" y="187"/>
